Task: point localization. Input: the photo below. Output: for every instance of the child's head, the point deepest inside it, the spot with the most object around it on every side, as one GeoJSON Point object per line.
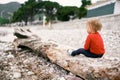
{"type": "Point", "coordinates": [93, 25]}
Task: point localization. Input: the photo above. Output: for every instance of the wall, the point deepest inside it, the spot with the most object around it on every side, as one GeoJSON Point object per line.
{"type": "Point", "coordinates": [117, 7]}
{"type": "Point", "coordinates": [109, 22]}
{"type": "Point", "coordinates": [103, 10]}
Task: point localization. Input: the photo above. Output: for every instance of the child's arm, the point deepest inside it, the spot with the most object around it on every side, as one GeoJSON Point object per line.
{"type": "Point", "coordinates": [87, 43]}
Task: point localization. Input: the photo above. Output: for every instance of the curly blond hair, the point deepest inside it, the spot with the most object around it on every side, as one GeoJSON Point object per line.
{"type": "Point", "coordinates": [94, 25]}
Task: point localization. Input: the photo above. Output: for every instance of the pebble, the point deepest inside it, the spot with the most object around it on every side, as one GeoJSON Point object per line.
{"type": "Point", "coordinates": [10, 56]}
{"type": "Point", "coordinates": [16, 75]}
{"type": "Point", "coordinates": [30, 73]}
{"type": "Point", "coordinates": [26, 61]}
{"type": "Point", "coordinates": [61, 78]}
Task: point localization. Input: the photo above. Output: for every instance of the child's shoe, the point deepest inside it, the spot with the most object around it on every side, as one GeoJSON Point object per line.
{"type": "Point", "coordinates": [69, 51]}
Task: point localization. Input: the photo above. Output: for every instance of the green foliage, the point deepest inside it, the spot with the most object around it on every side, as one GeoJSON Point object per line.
{"type": "Point", "coordinates": [82, 12]}
{"type": "Point", "coordinates": [50, 9]}
{"type": "Point", "coordinates": [25, 12]}
{"type": "Point", "coordinates": [3, 20]}
{"type": "Point", "coordinates": [31, 8]}
{"type": "Point", "coordinates": [47, 20]}
{"type": "Point", "coordinates": [21, 14]}
{"type": "Point", "coordinates": [85, 3]}
{"type": "Point", "coordinates": [30, 5]}
{"type": "Point", "coordinates": [40, 18]}
{"type": "Point", "coordinates": [64, 13]}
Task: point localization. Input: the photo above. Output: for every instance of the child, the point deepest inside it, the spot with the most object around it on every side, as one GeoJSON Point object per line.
{"type": "Point", "coordinates": [94, 46]}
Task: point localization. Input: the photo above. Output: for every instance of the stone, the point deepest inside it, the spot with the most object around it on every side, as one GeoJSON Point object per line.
{"type": "Point", "coordinates": [16, 75]}
{"type": "Point", "coordinates": [10, 56]}
{"type": "Point", "coordinates": [61, 78]}
{"type": "Point", "coordinates": [30, 73]}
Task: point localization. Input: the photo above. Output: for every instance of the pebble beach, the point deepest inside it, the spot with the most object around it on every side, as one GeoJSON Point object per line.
{"type": "Point", "coordinates": [17, 64]}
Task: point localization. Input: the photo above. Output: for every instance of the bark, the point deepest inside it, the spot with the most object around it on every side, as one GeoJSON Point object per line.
{"type": "Point", "coordinates": [86, 68]}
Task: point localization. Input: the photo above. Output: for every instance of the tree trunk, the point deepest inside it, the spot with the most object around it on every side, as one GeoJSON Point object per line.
{"type": "Point", "coordinates": [86, 68]}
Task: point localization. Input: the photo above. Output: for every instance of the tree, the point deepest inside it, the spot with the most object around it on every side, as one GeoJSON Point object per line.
{"type": "Point", "coordinates": [21, 15]}
{"type": "Point", "coordinates": [39, 0]}
{"type": "Point", "coordinates": [31, 8]}
{"type": "Point", "coordinates": [82, 12]}
{"type": "Point", "coordinates": [64, 13]}
{"type": "Point", "coordinates": [30, 5]}
{"type": "Point", "coordinates": [50, 9]}
{"type": "Point", "coordinates": [3, 20]}
{"type": "Point", "coordinates": [25, 12]}
{"type": "Point", "coordinates": [85, 3]}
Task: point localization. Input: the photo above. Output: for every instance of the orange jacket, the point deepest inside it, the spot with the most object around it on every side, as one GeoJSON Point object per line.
{"type": "Point", "coordinates": [94, 43]}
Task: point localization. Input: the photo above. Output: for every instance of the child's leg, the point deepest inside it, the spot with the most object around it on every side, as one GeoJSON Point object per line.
{"type": "Point", "coordinates": [89, 54]}
{"type": "Point", "coordinates": [77, 52]}
{"type": "Point", "coordinates": [86, 53]}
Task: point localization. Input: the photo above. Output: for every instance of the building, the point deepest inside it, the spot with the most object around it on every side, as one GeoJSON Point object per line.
{"type": "Point", "coordinates": [104, 7]}
{"type": "Point", "coordinates": [117, 7]}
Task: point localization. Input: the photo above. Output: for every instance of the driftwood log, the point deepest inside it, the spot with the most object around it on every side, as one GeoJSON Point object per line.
{"type": "Point", "coordinates": [86, 68]}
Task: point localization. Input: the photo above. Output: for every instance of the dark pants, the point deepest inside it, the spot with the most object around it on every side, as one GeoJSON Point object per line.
{"type": "Point", "coordinates": [86, 53]}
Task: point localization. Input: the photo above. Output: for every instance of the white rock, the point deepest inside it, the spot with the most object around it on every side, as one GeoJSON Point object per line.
{"type": "Point", "coordinates": [30, 73]}
{"type": "Point", "coordinates": [51, 70]}
{"type": "Point", "coordinates": [10, 56]}
{"type": "Point", "coordinates": [16, 75]}
{"type": "Point", "coordinates": [26, 61]}
{"type": "Point", "coordinates": [61, 78]}
{"type": "Point", "coordinates": [10, 63]}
